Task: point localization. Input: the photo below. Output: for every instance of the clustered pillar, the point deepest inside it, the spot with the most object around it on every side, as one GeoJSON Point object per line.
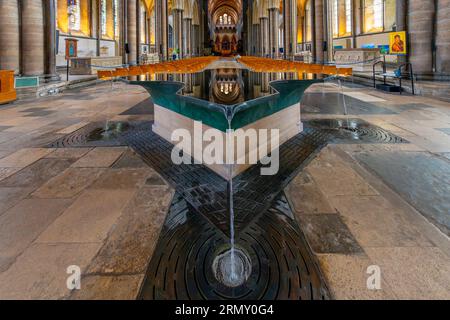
{"type": "Point", "coordinates": [289, 28]}
{"type": "Point", "coordinates": [9, 35]}
{"type": "Point", "coordinates": [132, 31]}
{"type": "Point", "coordinates": [274, 24]}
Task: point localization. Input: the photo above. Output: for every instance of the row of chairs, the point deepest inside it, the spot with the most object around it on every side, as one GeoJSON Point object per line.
{"type": "Point", "coordinates": [259, 64]}
{"type": "Point", "coordinates": [190, 65]}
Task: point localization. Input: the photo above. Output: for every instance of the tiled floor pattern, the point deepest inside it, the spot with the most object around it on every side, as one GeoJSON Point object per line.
{"type": "Point", "coordinates": [101, 208]}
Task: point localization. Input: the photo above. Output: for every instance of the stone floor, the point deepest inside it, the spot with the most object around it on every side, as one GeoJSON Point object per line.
{"type": "Point", "coordinates": [101, 208]}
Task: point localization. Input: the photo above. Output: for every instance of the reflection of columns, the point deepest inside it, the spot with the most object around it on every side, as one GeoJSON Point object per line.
{"type": "Point", "coordinates": [196, 40]}
{"type": "Point", "coordinates": [256, 42]}
{"type": "Point", "coordinates": [319, 31]}
{"type": "Point", "coordinates": [187, 33]}
{"type": "Point", "coordinates": [161, 28]}
{"type": "Point", "coordinates": [289, 27]}
{"type": "Point", "coordinates": [264, 35]}
{"type": "Point", "coordinates": [421, 16]}
{"type": "Point", "coordinates": [443, 37]}
{"type": "Point", "coordinates": [178, 30]}
{"type": "Point", "coordinates": [50, 40]}
{"type": "Point", "coordinates": [9, 35]}
{"type": "Point", "coordinates": [274, 24]}
{"type": "Point", "coordinates": [132, 32]}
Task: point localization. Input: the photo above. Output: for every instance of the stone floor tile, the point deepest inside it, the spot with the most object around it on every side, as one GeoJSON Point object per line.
{"type": "Point", "coordinates": [123, 178]}
{"type": "Point", "coordinates": [306, 197]}
{"type": "Point", "coordinates": [73, 128]}
{"type": "Point", "coordinates": [41, 271]}
{"type": "Point", "coordinates": [376, 223]}
{"type": "Point", "coordinates": [24, 157]}
{"type": "Point", "coordinates": [23, 223]}
{"type": "Point", "coordinates": [89, 218]}
{"type": "Point", "coordinates": [100, 158]}
{"type": "Point", "coordinates": [414, 273]}
{"type": "Point", "coordinates": [347, 276]}
{"type": "Point", "coordinates": [69, 153]}
{"type": "Point", "coordinates": [326, 233]}
{"type": "Point", "coordinates": [37, 173]}
{"type": "Point", "coordinates": [69, 183]}
{"type": "Point", "coordinates": [9, 197]}
{"type": "Point", "coordinates": [7, 172]}
{"type": "Point", "coordinates": [132, 240]}
{"type": "Point", "coordinates": [101, 287]}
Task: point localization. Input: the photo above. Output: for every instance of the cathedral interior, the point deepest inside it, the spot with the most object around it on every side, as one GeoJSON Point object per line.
{"type": "Point", "coordinates": [225, 149]}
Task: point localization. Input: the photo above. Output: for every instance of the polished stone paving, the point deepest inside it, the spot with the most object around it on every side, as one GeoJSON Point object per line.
{"type": "Point", "coordinates": [102, 208]}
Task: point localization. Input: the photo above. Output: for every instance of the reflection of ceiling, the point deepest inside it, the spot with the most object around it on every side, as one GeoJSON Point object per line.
{"type": "Point", "coordinates": [226, 87]}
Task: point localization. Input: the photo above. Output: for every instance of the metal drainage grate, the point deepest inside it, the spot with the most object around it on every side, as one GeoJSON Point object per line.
{"type": "Point", "coordinates": [95, 134]}
{"type": "Point", "coordinates": [281, 263]}
{"type": "Point", "coordinates": [354, 131]}
{"type": "Point", "coordinates": [206, 191]}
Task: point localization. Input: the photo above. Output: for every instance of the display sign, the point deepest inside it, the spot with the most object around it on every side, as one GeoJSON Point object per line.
{"type": "Point", "coordinates": [71, 48]}
{"type": "Point", "coordinates": [397, 43]}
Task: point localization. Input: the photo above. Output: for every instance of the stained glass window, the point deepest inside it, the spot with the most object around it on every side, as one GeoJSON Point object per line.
{"type": "Point", "coordinates": [103, 17]}
{"type": "Point", "coordinates": [116, 18]}
{"type": "Point", "coordinates": [74, 11]}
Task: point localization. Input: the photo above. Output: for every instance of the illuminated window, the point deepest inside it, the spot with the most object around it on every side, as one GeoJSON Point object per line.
{"type": "Point", "coordinates": [379, 15]}
{"type": "Point", "coordinates": [116, 18]}
{"type": "Point", "coordinates": [335, 19]}
{"type": "Point", "coordinates": [74, 11]}
{"type": "Point", "coordinates": [103, 15]}
{"type": "Point", "coordinates": [308, 22]}
{"type": "Point", "coordinates": [225, 18]}
{"type": "Point", "coordinates": [348, 16]}
{"type": "Point", "coordinates": [341, 18]}
{"type": "Point", "coordinates": [221, 20]}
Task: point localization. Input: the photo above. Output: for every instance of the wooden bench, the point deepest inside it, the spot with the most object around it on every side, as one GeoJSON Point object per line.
{"type": "Point", "coordinates": [7, 90]}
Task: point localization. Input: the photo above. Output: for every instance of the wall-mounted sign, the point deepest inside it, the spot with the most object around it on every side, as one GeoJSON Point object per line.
{"type": "Point", "coordinates": [71, 48]}
{"type": "Point", "coordinates": [397, 43]}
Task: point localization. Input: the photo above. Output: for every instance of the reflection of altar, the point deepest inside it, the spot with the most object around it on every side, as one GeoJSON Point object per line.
{"type": "Point", "coordinates": [358, 59]}
{"type": "Point", "coordinates": [90, 65]}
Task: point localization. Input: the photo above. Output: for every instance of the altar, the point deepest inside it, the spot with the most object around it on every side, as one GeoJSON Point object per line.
{"type": "Point", "coordinates": [90, 65]}
{"type": "Point", "coordinates": [358, 59]}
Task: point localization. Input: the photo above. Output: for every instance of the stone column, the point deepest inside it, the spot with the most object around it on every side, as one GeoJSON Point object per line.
{"type": "Point", "coordinates": [264, 36]}
{"type": "Point", "coordinates": [274, 24]}
{"type": "Point", "coordinates": [178, 30]}
{"type": "Point", "coordinates": [32, 38]}
{"type": "Point", "coordinates": [132, 40]}
{"type": "Point", "coordinates": [289, 28]}
{"type": "Point", "coordinates": [50, 40]}
{"type": "Point", "coordinates": [319, 31]}
{"type": "Point", "coordinates": [187, 35]}
{"type": "Point", "coordinates": [420, 23]}
{"type": "Point", "coordinates": [443, 37]}
{"type": "Point", "coordinates": [9, 35]}
{"type": "Point", "coordinates": [162, 28]}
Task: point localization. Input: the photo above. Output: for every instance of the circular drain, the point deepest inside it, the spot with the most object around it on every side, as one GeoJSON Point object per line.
{"type": "Point", "coordinates": [355, 130]}
{"type": "Point", "coordinates": [232, 268]}
{"type": "Point", "coordinates": [190, 246]}
{"type": "Point", "coordinates": [96, 134]}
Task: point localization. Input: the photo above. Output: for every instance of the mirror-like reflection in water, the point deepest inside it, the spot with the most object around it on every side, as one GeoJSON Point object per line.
{"type": "Point", "coordinates": [227, 86]}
